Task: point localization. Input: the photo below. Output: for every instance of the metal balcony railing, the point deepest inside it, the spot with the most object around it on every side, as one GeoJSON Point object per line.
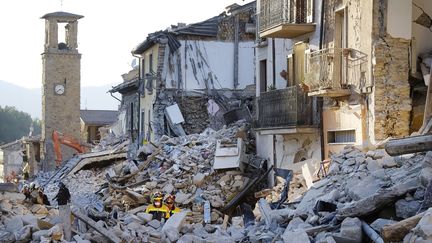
{"type": "Point", "coordinates": [335, 68]}
{"type": "Point", "coordinates": [283, 108]}
{"type": "Point", "coordinates": [278, 12]}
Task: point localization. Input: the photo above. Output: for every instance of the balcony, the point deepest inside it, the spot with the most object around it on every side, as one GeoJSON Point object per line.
{"type": "Point", "coordinates": [285, 108]}
{"type": "Point", "coordinates": [335, 72]}
{"type": "Point", "coordinates": [285, 18]}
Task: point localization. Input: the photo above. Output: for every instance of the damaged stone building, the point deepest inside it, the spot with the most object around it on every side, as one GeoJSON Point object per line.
{"type": "Point", "coordinates": [333, 79]}
{"type": "Point", "coordinates": [13, 155]}
{"type": "Point", "coordinates": [287, 119]}
{"type": "Point", "coordinates": [92, 121]}
{"type": "Point", "coordinates": [127, 120]}
{"type": "Point", "coordinates": [201, 70]}
{"type": "Point", "coordinates": [360, 67]}
{"type": "Point", "coordinates": [61, 90]}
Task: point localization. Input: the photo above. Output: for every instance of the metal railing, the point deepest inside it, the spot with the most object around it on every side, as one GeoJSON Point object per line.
{"type": "Point", "coordinates": [276, 12]}
{"type": "Point", "coordinates": [335, 68]}
{"type": "Point", "coordinates": [285, 108]}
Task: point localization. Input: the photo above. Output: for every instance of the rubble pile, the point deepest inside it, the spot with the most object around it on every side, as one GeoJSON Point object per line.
{"type": "Point", "coordinates": [362, 190]}
{"type": "Point", "coordinates": [181, 166]}
{"type": "Point", "coordinates": [22, 221]}
{"type": "Point", "coordinates": [82, 187]}
{"type": "Point", "coordinates": [365, 196]}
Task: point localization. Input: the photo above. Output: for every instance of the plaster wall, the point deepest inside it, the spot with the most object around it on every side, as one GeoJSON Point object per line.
{"type": "Point", "coordinates": [147, 101]}
{"type": "Point", "coordinates": [293, 149]}
{"type": "Point", "coordinates": [210, 62]}
{"type": "Point", "coordinates": [146, 106]}
{"type": "Point", "coordinates": [399, 15]}
{"type": "Point", "coordinates": [422, 35]}
{"type": "Point", "coordinates": [284, 47]}
{"type": "Point", "coordinates": [347, 118]}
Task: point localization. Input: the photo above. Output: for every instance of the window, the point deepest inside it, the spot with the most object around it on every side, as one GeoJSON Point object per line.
{"type": "Point", "coordinates": [263, 75]}
{"type": "Point", "coordinates": [290, 68]}
{"type": "Point", "coordinates": [143, 67]}
{"type": "Point", "coordinates": [341, 136]}
{"type": "Point", "coordinates": [142, 122]}
{"type": "Point", "coordinates": [150, 63]}
{"type": "Point", "coordinates": [148, 137]}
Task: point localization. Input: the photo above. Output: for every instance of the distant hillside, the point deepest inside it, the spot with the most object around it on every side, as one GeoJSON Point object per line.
{"type": "Point", "coordinates": [29, 100]}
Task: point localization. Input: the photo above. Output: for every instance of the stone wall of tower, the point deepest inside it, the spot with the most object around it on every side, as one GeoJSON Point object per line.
{"type": "Point", "coordinates": [60, 112]}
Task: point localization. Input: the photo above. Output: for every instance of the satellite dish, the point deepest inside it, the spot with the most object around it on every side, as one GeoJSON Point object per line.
{"type": "Point", "coordinates": [134, 63]}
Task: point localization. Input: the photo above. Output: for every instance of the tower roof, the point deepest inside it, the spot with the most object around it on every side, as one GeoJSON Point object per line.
{"type": "Point", "coordinates": [62, 16]}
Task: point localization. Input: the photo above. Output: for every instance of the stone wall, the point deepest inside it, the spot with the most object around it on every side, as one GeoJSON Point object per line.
{"type": "Point", "coordinates": [392, 90]}
{"type": "Point", "coordinates": [194, 110]}
{"type": "Point", "coordinates": [392, 102]}
{"type": "Point", "coordinates": [227, 26]}
{"type": "Point", "coordinates": [60, 112]}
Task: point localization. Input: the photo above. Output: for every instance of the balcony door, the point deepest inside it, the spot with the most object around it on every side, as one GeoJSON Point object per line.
{"type": "Point", "coordinates": [341, 35]}
{"type": "Point", "coordinates": [296, 64]}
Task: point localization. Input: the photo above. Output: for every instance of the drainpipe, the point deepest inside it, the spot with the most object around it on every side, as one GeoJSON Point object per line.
{"type": "Point", "coordinates": [273, 63]}
{"type": "Point", "coordinates": [320, 100]}
{"type": "Point", "coordinates": [115, 97]}
{"type": "Point", "coordinates": [131, 122]}
{"type": "Point", "coordinates": [236, 50]}
{"type": "Point", "coordinates": [139, 95]}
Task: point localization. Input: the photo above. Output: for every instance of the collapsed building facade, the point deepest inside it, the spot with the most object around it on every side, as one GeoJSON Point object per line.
{"type": "Point", "coordinates": [205, 68]}
{"type": "Point", "coordinates": [350, 73]}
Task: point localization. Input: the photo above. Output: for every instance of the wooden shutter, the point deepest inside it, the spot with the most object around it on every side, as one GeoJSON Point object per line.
{"type": "Point", "coordinates": [299, 62]}
{"type": "Point", "coordinates": [290, 70]}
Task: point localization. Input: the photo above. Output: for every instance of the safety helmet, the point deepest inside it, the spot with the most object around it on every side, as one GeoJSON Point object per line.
{"type": "Point", "coordinates": [25, 188]}
{"type": "Point", "coordinates": [32, 185]}
{"type": "Point", "coordinates": [170, 198]}
{"type": "Point", "coordinates": [157, 196]}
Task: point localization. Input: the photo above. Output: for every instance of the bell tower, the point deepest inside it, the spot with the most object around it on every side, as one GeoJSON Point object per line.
{"type": "Point", "coordinates": [60, 83]}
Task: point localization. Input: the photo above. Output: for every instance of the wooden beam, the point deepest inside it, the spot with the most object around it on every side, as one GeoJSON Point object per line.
{"type": "Point", "coordinates": [142, 166]}
{"type": "Point", "coordinates": [90, 222]}
{"type": "Point", "coordinates": [409, 145]}
{"type": "Point", "coordinates": [397, 231]}
{"type": "Point", "coordinates": [320, 228]}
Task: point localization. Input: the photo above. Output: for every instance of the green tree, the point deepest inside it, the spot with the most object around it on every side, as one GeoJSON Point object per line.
{"type": "Point", "coordinates": [15, 124]}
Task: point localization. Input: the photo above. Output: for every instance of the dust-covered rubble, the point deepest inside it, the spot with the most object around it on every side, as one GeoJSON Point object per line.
{"type": "Point", "coordinates": [364, 195]}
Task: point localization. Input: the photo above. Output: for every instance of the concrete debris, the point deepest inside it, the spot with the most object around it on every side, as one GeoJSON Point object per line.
{"type": "Point", "coordinates": [365, 196]}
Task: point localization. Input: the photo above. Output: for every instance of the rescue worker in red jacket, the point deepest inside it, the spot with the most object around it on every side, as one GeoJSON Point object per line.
{"type": "Point", "coordinates": [157, 208]}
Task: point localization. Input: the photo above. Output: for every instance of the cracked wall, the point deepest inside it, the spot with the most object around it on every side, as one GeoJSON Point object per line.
{"type": "Point", "coordinates": [389, 105]}
{"type": "Point", "coordinates": [392, 102]}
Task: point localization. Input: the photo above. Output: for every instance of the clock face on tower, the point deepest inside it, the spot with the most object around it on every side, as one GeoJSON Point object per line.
{"type": "Point", "coordinates": [59, 89]}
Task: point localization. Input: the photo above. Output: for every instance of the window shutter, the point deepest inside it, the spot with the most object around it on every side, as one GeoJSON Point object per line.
{"type": "Point", "coordinates": [290, 72]}
{"type": "Point", "coordinates": [299, 61]}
